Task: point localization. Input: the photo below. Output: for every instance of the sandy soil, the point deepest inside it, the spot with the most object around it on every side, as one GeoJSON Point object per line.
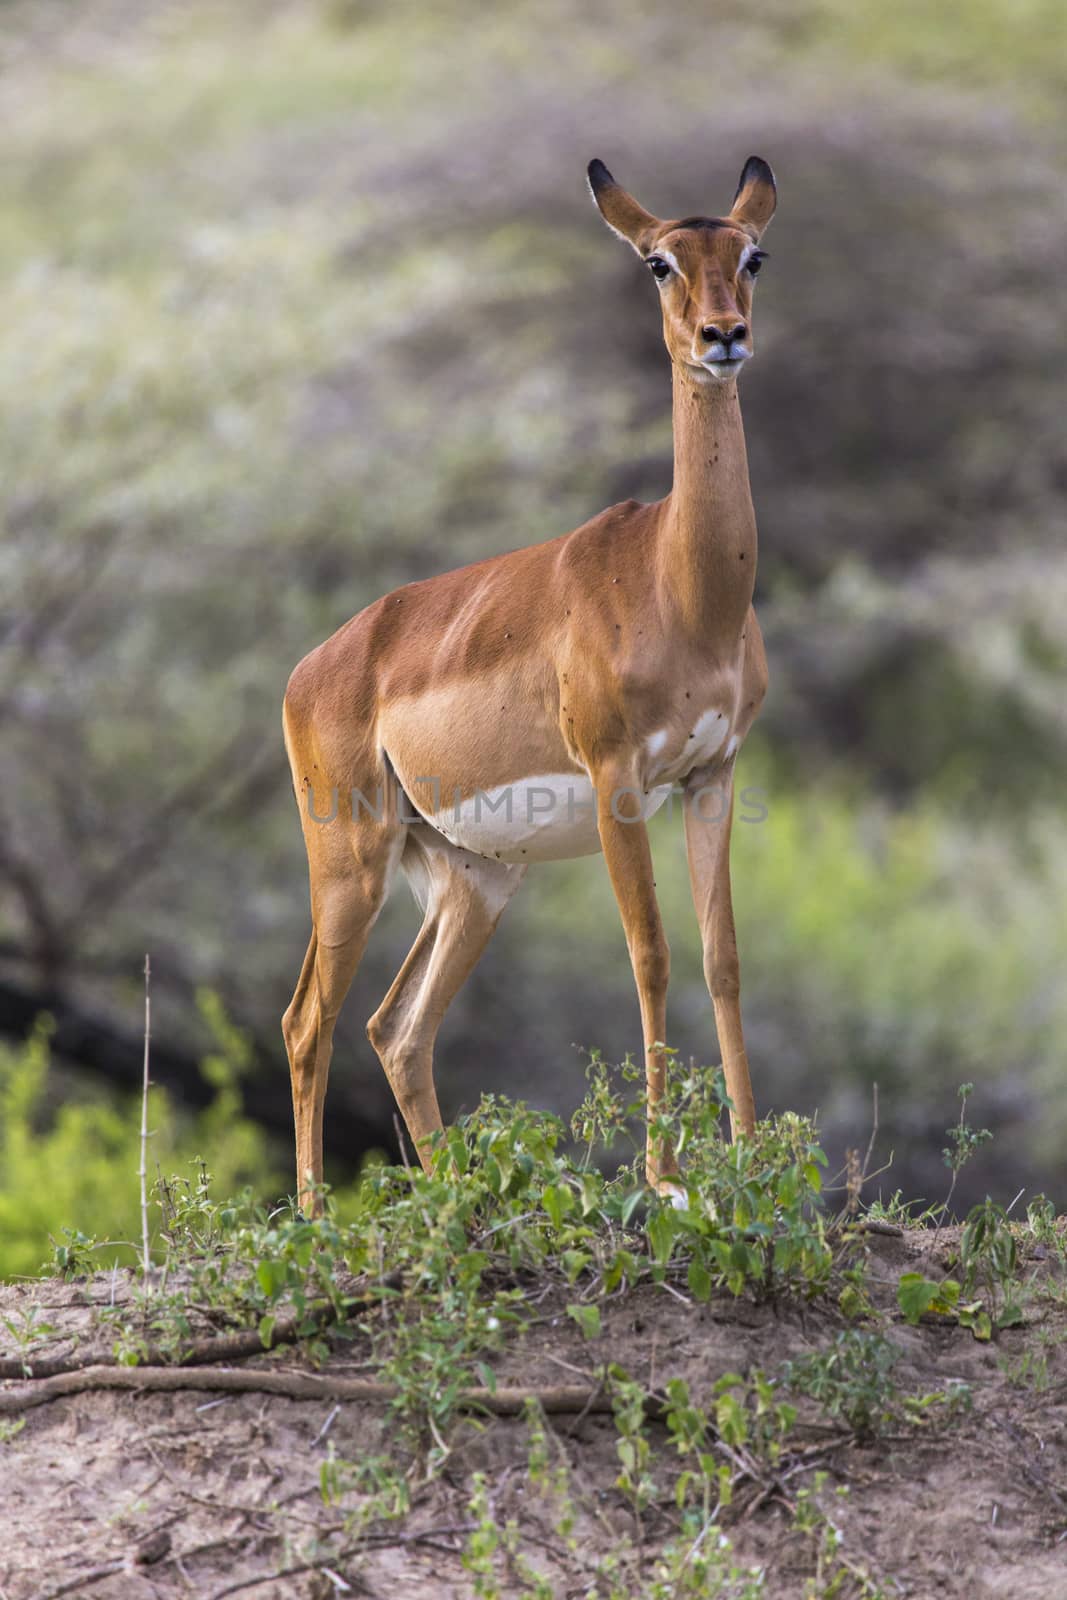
{"type": "Point", "coordinates": [121, 1496]}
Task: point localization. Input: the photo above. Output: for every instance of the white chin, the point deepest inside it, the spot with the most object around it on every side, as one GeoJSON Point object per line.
{"type": "Point", "coordinates": [722, 370]}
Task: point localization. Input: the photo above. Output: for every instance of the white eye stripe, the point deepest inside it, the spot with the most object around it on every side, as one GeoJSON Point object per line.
{"type": "Point", "coordinates": [662, 256]}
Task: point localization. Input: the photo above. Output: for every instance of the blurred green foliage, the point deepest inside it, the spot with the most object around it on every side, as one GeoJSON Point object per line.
{"type": "Point", "coordinates": [72, 1169]}
{"type": "Point", "coordinates": [308, 301]}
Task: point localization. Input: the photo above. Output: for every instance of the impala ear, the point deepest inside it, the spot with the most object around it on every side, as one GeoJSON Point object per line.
{"type": "Point", "coordinates": [756, 197]}
{"type": "Point", "coordinates": [620, 210]}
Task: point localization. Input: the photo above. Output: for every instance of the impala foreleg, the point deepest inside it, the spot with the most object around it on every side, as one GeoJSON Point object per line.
{"type": "Point", "coordinates": [708, 821]}
{"type": "Point", "coordinates": [624, 840]}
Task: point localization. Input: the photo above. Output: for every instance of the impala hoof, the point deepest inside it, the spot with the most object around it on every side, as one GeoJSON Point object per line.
{"type": "Point", "coordinates": [674, 1192]}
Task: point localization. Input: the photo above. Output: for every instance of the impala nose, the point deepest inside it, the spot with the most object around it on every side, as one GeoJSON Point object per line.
{"type": "Point", "coordinates": [727, 336]}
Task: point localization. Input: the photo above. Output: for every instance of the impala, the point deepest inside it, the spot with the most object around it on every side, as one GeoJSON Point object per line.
{"type": "Point", "coordinates": [541, 705]}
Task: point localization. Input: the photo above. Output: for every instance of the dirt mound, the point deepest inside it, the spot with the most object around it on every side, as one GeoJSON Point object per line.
{"type": "Point", "coordinates": [199, 1490]}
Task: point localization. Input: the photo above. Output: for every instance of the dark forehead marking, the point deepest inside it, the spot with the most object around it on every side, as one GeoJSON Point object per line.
{"type": "Point", "coordinates": [701, 222]}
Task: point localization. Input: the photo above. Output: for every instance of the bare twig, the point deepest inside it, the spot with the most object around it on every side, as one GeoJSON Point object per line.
{"type": "Point", "coordinates": [402, 1145]}
{"type": "Point", "coordinates": [84, 1579]}
{"type": "Point", "coordinates": [874, 1134]}
{"type": "Point", "coordinates": [327, 1425]}
{"type": "Point", "coordinates": [420, 1536]}
{"type": "Point", "coordinates": [146, 1255]}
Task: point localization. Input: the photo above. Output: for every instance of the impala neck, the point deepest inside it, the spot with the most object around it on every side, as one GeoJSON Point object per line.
{"type": "Point", "coordinates": [707, 561]}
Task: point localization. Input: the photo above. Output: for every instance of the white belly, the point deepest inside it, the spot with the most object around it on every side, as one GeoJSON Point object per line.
{"type": "Point", "coordinates": [548, 818]}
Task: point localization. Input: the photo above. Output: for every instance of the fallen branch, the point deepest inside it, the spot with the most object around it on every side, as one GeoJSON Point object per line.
{"type": "Point", "coordinates": [564, 1399]}
{"type": "Point", "coordinates": [214, 1348]}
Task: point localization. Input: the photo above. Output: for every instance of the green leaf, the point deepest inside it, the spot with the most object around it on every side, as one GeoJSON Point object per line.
{"type": "Point", "coordinates": [557, 1202]}
{"type": "Point", "coordinates": [487, 1375]}
{"type": "Point", "coordinates": [575, 1263]}
{"type": "Point", "coordinates": [699, 1280]}
{"type": "Point", "coordinates": [270, 1277]}
{"type": "Point", "coordinates": [623, 1266]}
{"type": "Point", "coordinates": [788, 1186]}
{"type": "Point", "coordinates": [662, 1232]}
{"type": "Point", "coordinates": [266, 1330]}
{"type": "Point", "coordinates": [592, 1186]}
{"type": "Point", "coordinates": [915, 1294]}
{"type": "Point", "coordinates": [587, 1318]}
{"type": "Point", "coordinates": [730, 1421]}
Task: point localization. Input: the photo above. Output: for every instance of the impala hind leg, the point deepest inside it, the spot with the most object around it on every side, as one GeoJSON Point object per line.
{"type": "Point", "coordinates": [462, 897]}
{"type": "Point", "coordinates": [707, 842]}
{"type": "Point", "coordinates": [348, 888]}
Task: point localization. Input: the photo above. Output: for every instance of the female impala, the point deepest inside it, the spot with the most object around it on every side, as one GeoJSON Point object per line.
{"type": "Point", "coordinates": [542, 704]}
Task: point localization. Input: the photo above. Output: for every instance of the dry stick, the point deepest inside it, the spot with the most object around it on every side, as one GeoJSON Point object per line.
{"type": "Point", "coordinates": [427, 1536]}
{"type": "Point", "coordinates": [867, 1224]}
{"type": "Point", "coordinates": [564, 1399]}
{"type": "Point", "coordinates": [202, 1352]}
{"type": "Point", "coordinates": [874, 1134]}
{"type": "Point", "coordinates": [399, 1126]}
{"type": "Point", "coordinates": [84, 1579]}
{"type": "Point", "coordinates": [146, 1258]}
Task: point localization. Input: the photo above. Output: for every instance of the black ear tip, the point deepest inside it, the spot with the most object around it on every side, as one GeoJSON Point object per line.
{"type": "Point", "coordinates": [598, 175]}
{"type": "Point", "coordinates": [756, 170]}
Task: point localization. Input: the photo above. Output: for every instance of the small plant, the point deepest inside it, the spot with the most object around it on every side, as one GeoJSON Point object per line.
{"type": "Point", "coordinates": [964, 1142]}
{"type": "Point", "coordinates": [1045, 1228]}
{"type": "Point", "coordinates": [903, 1213]}
{"type": "Point", "coordinates": [635, 1478]}
{"type": "Point", "coordinates": [989, 1263]}
{"type": "Point", "coordinates": [383, 1487]}
{"type": "Point", "coordinates": [835, 1573]}
{"type": "Point", "coordinates": [700, 1569]}
{"type": "Point", "coordinates": [25, 1329]}
{"type": "Point", "coordinates": [988, 1294]}
{"type": "Point", "coordinates": [74, 1257]}
{"type": "Point", "coordinates": [490, 1545]}
{"type": "Point", "coordinates": [852, 1381]}
{"type": "Point", "coordinates": [754, 1221]}
{"type": "Point", "coordinates": [1030, 1370]}
{"type": "Point", "coordinates": [753, 1420]}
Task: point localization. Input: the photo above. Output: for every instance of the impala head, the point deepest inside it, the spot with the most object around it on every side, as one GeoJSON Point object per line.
{"type": "Point", "coordinates": [705, 268]}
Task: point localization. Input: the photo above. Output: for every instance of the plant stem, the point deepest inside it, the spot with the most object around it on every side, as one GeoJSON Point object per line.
{"type": "Point", "coordinates": [146, 1258]}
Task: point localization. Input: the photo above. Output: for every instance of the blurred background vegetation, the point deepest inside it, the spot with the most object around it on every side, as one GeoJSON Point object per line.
{"type": "Point", "coordinates": [304, 300]}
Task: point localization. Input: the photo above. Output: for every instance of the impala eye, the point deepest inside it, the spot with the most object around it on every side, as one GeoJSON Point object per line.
{"type": "Point", "coordinates": [755, 261]}
{"type": "Point", "coordinates": [659, 268]}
